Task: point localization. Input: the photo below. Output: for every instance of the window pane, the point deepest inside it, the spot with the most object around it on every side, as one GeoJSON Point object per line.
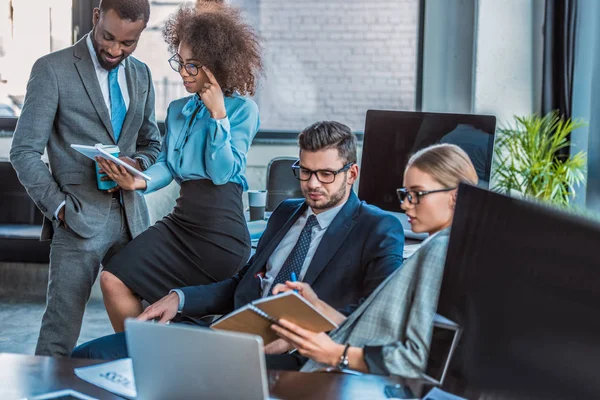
{"type": "Point", "coordinates": [152, 50]}
{"type": "Point", "coordinates": [331, 59]}
{"type": "Point", "coordinates": [335, 59]}
{"type": "Point", "coordinates": [28, 30]}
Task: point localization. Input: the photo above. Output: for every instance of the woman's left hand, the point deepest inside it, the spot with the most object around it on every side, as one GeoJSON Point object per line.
{"type": "Point", "coordinates": [316, 346]}
{"type": "Point", "coordinates": [124, 179]}
{"type": "Point", "coordinates": [212, 96]}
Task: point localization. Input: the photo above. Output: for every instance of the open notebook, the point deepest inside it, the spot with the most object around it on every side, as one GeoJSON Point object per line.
{"type": "Point", "coordinates": [257, 317]}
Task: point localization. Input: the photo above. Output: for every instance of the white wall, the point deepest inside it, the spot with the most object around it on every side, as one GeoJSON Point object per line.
{"type": "Point", "coordinates": [506, 66]}
{"type": "Point", "coordinates": [483, 56]}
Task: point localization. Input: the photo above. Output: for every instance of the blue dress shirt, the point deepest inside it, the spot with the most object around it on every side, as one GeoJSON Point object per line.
{"type": "Point", "coordinates": [197, 146]}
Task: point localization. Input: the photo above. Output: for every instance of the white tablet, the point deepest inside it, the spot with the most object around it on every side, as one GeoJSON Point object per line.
{"type": "Point", "coordinates": [96, 151]}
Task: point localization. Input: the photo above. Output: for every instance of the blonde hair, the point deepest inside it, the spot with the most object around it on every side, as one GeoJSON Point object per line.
{"type": "Point", "coordinates": [446, 163]}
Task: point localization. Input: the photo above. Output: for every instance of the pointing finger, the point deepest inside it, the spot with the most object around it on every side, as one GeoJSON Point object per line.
{"type": "Point", "coordinates": [210, 75]}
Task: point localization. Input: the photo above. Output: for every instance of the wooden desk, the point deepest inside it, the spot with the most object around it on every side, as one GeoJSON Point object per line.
{"type": "Point", "coordinates": [22, 375]}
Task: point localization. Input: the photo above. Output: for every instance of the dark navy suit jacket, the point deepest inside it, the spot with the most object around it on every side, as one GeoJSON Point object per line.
{"type": "Point", "coordinates": [362, 247]}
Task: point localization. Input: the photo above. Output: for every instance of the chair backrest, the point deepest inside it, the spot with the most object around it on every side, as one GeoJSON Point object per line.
{"type": "Point", "coordinates": [17, 206]}
{"type": "Point", "coordinates": [281, 182]}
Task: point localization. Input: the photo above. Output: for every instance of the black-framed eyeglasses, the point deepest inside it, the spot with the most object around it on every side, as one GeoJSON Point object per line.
{"type": "Point", "coordinates": [414, 196]}
{"type": "Point", "coordinates": [177, 65]}
{"type": "Point", "coordinates": [323, 175]}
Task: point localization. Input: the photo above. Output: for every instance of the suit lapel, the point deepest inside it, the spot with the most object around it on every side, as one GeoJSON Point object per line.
{"type": "Point", "coordinates": [334, 238]}
{"type": "Point", "coordinates": [85, 68]}
{"type": "Point", "coordinates": [261, 260]}
{"type": "Point", "coordinates": [132, 85]}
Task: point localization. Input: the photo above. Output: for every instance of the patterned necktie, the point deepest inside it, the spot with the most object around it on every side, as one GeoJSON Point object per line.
{"type": "Point", "coordinates": [117, 104]}
{"type": "Point", "coordinates": [296, 258]}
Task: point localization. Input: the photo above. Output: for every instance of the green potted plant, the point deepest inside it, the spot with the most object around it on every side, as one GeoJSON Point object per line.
{"type": "Point", "coordinates": [527, 159]}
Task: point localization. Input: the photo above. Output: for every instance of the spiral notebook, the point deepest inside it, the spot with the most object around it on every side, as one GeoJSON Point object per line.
{"type": "Point", "coordinates": [257, 317]}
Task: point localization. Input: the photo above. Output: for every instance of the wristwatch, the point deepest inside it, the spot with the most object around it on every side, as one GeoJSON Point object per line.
{"type": "Point", "coordinates": [343, 364]}
{"type": "Point", "coordinates": [143, 163]}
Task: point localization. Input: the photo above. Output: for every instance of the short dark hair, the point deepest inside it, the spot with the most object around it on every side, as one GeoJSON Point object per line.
{"type": "Point", "coordinates": [133, 10]}
{"type": "Point", "coordinates": [329, 135]}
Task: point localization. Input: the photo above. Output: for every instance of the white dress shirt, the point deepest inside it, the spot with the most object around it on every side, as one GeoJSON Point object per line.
{"type": "Point", "coordinates": [102, 76]}
{"type": "Point", "coordinates": [283, 250]}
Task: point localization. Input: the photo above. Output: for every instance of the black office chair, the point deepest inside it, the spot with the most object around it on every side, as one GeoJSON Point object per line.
{"type": "Point", "coordinates": [281, 182]}
{"type": "Point", "coordinates": [20, 222]}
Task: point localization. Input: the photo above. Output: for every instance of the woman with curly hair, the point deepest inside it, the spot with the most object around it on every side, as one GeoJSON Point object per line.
{"type": "Point", "coordinates": [205, 238]}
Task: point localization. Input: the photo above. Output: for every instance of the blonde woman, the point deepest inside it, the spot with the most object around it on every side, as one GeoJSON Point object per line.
{"type": "Point", "coordinates": [390, 332]}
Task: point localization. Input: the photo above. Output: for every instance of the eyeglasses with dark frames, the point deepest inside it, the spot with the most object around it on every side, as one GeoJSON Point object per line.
{"type": "Point", "coordinates": [414, 196]}
{"type": "Point", "coordinates": [177, 65]}
{"type": "Point", "coordinates": [323, 175]}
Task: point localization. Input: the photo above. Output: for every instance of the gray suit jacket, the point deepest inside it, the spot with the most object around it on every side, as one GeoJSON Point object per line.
{"type": "Point", "coordinates": [397, 318]}
{"type": "Point", "coordinates": [64, 106]}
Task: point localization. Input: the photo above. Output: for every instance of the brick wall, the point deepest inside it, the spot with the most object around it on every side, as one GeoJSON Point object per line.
{"type": "Point", "coordinates": [334, 59]}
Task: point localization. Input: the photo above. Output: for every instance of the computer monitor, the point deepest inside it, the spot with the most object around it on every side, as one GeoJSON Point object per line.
{"type": "Point", "coordinates": [391, 137]}
{"type": "Point", "coordinates": [523, 280]}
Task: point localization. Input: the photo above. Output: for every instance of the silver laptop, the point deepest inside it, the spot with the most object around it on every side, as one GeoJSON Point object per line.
{"type": "Point", "coordinates": [184, 362]}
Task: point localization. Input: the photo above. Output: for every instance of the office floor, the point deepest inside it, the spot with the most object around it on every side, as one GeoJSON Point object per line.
{"type": "Point", "coordinates": [20, 320]}
{"type": "Point", "coordinates": [23, 288]}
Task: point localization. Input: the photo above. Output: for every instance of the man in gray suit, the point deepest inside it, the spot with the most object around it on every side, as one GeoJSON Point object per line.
{"type": "Point", "coordinates": [89, 93]}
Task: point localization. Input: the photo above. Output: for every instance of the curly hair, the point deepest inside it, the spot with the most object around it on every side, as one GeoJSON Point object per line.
{"type": "Point", "coordinates": [219, 37]}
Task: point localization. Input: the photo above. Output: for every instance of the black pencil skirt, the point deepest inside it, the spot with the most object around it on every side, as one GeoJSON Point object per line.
{"type": "Point", "coordinates": [203, 240]}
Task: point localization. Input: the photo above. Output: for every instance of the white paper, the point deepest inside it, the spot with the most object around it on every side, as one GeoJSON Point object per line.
{"type": "Point", "coordinates": [61, 394]}
{"type": "Point", "coordinates": [114, 376]}
{"type": "Point", "coordinates": [410, 249]}
{"type": "Point", "coordinates": [440, 320]}
{"type": "Point", "coordinates": [439, 394]}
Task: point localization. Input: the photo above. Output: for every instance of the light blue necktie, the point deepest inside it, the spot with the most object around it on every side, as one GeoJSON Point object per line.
{"type": "Point", "coordinates": [117, 104]}
{"type": "Point", "coordinates": [297, 256]}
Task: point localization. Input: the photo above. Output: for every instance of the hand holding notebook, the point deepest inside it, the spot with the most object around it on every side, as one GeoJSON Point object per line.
{"type": "Point", "coordinates": [257, 317]}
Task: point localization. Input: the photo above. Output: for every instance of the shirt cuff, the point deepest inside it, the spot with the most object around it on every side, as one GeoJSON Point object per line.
{"type": "Point", "coordinates": [58, 209]}
{"type": "Point", "coordinates": [220, 120]}
{"type": "Point", "coordinates": [373, 356]}
{"type": "Point", "coordinates": [143, 161]}
{"type": "Point", "coordinates": [181, 298]}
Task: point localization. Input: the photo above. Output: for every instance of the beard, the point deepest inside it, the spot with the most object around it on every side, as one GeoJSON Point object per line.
{"type": "Point", "coordinates": [334, 199]}
{"type": "Point", "coordinates": [103, 63]}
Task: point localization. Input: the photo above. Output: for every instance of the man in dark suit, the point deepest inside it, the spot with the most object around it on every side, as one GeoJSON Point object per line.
{"type": "Point", "coordinates": [341, 246]}
{"type": "Point", "coordinates": [91, 92]}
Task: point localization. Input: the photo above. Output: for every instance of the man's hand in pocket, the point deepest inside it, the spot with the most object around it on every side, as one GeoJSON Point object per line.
{"type": "Point", "coordinates": [61, 217]}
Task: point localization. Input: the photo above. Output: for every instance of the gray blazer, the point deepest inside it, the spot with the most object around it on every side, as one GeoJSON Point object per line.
{"type": "Point", "coordinates": [64, 106]}
{"type": "Point", "coordinates": [398, 315]}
